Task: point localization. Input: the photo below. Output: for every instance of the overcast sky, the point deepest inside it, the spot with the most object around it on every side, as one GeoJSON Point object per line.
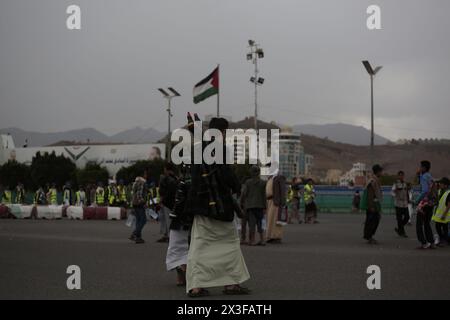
{"type": "Point", "coordinates": [106, 75]}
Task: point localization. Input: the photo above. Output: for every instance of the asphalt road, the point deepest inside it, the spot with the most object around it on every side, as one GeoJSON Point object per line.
{"type": "Point", "coordinates": [324, 261]}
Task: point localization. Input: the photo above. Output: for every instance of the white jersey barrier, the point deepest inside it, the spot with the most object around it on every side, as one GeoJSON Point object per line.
{"type": "Point", "coordinates": [19, 211]}
{"type": "Point", "coordinates": [96, 213]}
{"type": "Point", "coordinates": [49, 212]}
{"type": "Point", "coordinates": [52, 212]}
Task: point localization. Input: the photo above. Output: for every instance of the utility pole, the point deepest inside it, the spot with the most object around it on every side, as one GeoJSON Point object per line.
{"type": "Point", "coordinates": [169, 96]}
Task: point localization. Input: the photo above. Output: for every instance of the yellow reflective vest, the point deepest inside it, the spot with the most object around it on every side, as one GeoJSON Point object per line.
{"type": "Point", "coordinates": [53, 196]}
{"type": "Point", "coordinates": [100, 196]}
{"type": "Point", "coordinates": [308, 194]}
{"type": "Point", "coordinates": [438, 214]}
{"type": "Point", "coordinates": [7, 197]}
{"type": "Point", "coordinates": [122, 190]}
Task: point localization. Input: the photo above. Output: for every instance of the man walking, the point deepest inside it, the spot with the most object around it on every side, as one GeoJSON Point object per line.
{"type": "Point", "coordinates": [400, 193]}
{"type": "Point", "coordinates": [425, 203]}
{"type": "Point", "coordinates": [253, 201]}
{"type": "Point", "coordinates": [215, 257]}
{"type": "Point", "coordinates": [138, 201]}
{"type": "Point", "coordinates": [374, 197]}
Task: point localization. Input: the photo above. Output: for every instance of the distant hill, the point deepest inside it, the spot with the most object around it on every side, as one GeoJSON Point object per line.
{"type": "Point", "coordinates": [339, 132]}
{"type": "Point", "coordinates": [333, 155]}
{"type": "Point", "coordinates": [37, 139]}
{"type": "Point", "coordinates": [137, 135]}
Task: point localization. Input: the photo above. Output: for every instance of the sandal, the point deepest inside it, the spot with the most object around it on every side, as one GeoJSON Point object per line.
{"type": "Point", "coordinates": [201, 293]}
{"type": "Point", "coordinates": [236, 290]}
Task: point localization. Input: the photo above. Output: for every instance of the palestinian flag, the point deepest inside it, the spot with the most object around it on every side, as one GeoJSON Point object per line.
{"type": "Point", "coordinates": [207, 87]}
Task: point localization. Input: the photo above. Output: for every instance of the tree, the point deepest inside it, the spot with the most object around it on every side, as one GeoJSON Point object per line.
{"type": "Point", "coordinates": [13, 172]}
{"type": "Point", "coordinates": [92, 173]}
{"type": "Point", "coordinates": [154, 169]}
{"type": "Point", "coordinates": [50, 168]}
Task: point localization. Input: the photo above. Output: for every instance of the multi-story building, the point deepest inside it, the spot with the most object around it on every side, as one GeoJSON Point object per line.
{"type": "Point", "coordinates": [356, 175]}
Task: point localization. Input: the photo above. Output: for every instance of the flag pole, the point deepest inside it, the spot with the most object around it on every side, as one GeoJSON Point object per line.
{"type": "Point", "coordinates": [218, 91]}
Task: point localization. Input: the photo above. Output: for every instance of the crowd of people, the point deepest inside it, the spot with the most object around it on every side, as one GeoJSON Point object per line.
{"type": "Point", "coordinates": [201, 208]}
{"type": "Point", "coordinates": [431, 205]}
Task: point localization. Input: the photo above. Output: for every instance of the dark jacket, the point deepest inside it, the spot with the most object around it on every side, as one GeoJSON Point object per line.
{"type": "Point", "coordinates": [140, 192]}
{"type": "Point", "coordinates": [279, 191]}
{"type": "Point", "coordinates": [211, 191]}
{"type": "Point", "coordinates": [254, 193]}
{"type": "Point", "coordinates": [373, 201]}
{"type": "Point", "coordinates": [167, 189]}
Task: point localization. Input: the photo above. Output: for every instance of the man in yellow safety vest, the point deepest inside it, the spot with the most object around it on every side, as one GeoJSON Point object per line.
{"type": "Point", "coordinates": [309, 195]}
{"type": "Point", "coordinates": [20, 194]}
{"type": "Point", "coordinates": [122, 194]}
{"type": "Point", "coordinates": [112, 194]}
{"type": "Point", "coordinates": [441, 216]}
{"type": "Point", "coordinates": [7, 196]}
{"type": "Point", "coordinates": [52, 195]}
{"type": "Point", "coordinates": [100, 195]}
{"type": "Point", "coordinates": [80, 197]}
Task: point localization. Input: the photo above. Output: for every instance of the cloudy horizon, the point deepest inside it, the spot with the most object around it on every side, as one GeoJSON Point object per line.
{"type": "Point", "coordinates": [106, 75]}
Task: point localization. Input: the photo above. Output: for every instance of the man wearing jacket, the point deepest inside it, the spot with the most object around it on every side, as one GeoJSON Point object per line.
{"type": "Point", "coordinates": [138, 201]}
{"type": "Point", "coordinates": [374, 199]}
{"type": "Point", "coordinates": [253, 201]}
{"type": "Point", "coordinates": [425, 204]}
{"type": "Point", "coordinates": [400, 193]}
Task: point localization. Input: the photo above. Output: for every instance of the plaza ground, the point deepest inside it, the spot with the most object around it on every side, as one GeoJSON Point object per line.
{"type": "Point", "coordinates": [323, 261]}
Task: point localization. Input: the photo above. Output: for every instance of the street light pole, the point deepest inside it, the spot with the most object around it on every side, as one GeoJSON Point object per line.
{"type": "Point", "coordinates": [169, 97]}
{"type": "Point", "coordinates": [169, 115]}
{"type": "Point", "coordinates": [256, 93]}
{"type": "Point", "coordinates": [372, 140]}
{"type": "Point", "coordinates": [255, 54]}
{"type": "Point", "coordinates": [372, 72]}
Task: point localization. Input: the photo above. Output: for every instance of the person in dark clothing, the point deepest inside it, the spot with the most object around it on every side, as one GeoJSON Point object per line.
{"type": "Point", "coordinates": [215, 257]}
{"type": "Point", "coordinates": [400, 193]}
{"type": "Point", "coordinates": [180, 224]}
{"type": "Point", "coordinates": [425, 203]}
{"type": "Point", "coordinates": [139, 200]}
{"type": "Point", "coordinates": [167, 189]}
{"type": "Point", "coordinates": [356, 201]}
{"type": "Point", "coordinates": [253, 201]}
{"type": "Point", "coordinates": [374, 198]}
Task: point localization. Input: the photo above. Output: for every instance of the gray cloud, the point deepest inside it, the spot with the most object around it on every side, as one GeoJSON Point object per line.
{"type": "Point", "coordinates": [106, 75]}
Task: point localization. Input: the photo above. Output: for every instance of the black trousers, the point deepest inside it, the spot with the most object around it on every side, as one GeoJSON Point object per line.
{"type": "Point", "coordinates": [402, 219]}
{"type": "Point", "coordinates": [371, 224]}
{"type": "Point", "coordinates": [442, 231]}
{"type": "Point", "coordinates": [255, 216]}
{"type": "Point", "coordinates": [423, 225]}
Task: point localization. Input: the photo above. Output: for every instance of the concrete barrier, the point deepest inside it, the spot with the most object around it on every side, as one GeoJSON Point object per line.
{"type": "Point", "coordinates": [4, 212]}
{"type": "Point", "coordinates": [74, 212]}
{"type": "Point", "coordinates": [49, 212]}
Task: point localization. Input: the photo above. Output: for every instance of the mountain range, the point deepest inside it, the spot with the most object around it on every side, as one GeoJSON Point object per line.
{"type": "Point", "coordinates": [340, 132]}
{"type": "Point", "coordinates": [337, 132]}
{"type": "Point", "coordinates": [334, 146]}
{"type": "Point", "coordinates": [37, 139]}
